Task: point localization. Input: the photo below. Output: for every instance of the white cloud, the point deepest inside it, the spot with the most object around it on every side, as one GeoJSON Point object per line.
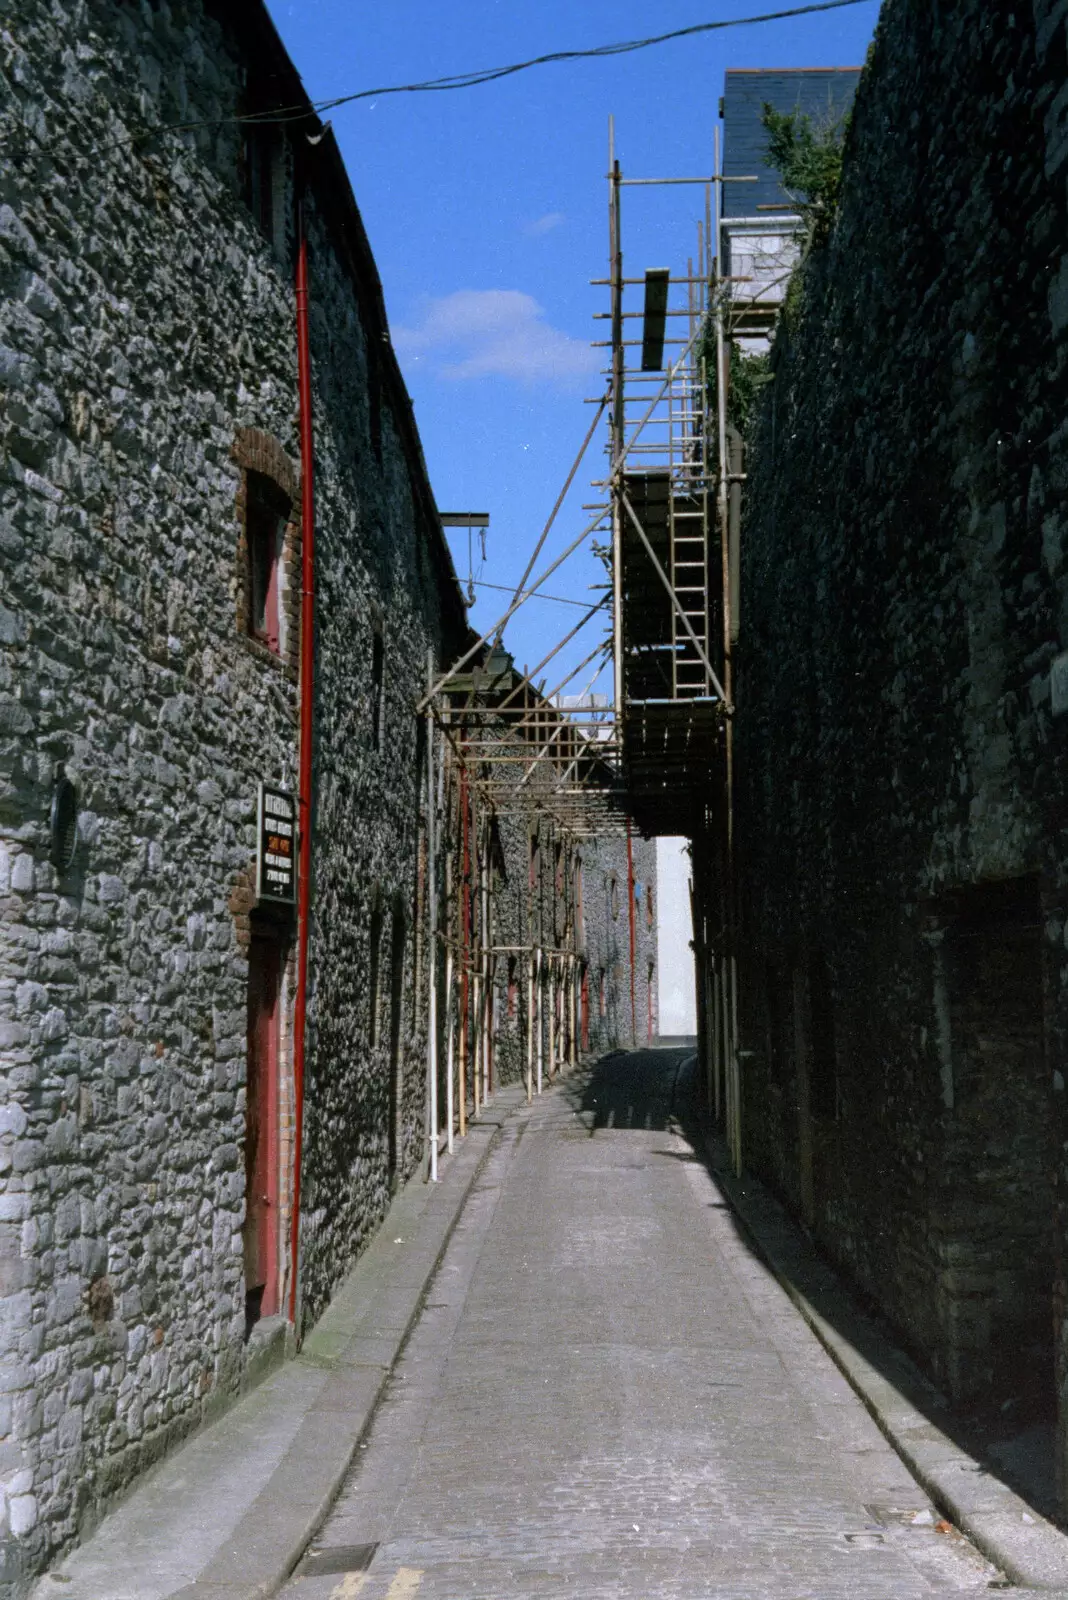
{"type": "Point", "coordinates": [545, 224]}
{"type": "Point", "coordinates": [481, 333]}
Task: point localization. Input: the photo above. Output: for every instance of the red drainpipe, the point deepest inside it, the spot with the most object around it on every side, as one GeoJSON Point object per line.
{"type": "Point", "coordinates": [630, 909]}
{"type": "Point", "coordinates": [307, 667]}
{"type": "Point", "coordinates": [465, 890]}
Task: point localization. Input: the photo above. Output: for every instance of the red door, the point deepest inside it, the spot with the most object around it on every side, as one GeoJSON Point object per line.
{"type": "Point", "coordinates": [585, 1010]}
{"type": "Point", "coordinates": [261, 1131]}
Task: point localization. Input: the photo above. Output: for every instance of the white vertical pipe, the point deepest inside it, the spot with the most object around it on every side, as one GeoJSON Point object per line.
{"type": "Point", "coordinates": [552, 1014]}
{"type": "Point", "coordinates": [710, 991]}
{"type": "Point", "coordinates": [725, 1048]}
{"type": "Point", "coordinates": [487, 941]}
{"type": "Point", "coordinates": [432, 941]}
{"type": "Point", "coordinates": [476, 1026]}
{"type": "Point", "coordinates": [530, 1028]}
{"type": "Point", "coordinates": [539, 991]}
{"type": "Point", "coordinates": [474, 962]}
{"type": "Point", "coordinates": [736, 1068]}
{"type": "Point", "coordinates": [717, 1045]}
{"type": "Point", "coordinates": [450, 1034]}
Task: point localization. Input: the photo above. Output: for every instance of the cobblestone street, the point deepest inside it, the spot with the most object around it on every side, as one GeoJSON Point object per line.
{"type": "Point", "coordinates": [608, 1395]}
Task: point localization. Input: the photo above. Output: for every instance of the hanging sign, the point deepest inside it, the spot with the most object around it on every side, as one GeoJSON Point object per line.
{"type": "Point", "coordinates": [276, 846]}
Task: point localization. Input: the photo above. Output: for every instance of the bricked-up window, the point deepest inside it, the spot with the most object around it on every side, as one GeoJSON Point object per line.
{"type": "Point", "coordinates": [534, 878]}
{"type": "Point", "coordinates": [374, 975]}
{"type": "Point", "coordinates": [994, 962]}
{"type": "Point", "coordinates": [777, 1013]}
{"type": "Point", "coordinates": [261, 168]}
{"type": "Point", "coordinates": [426, 803]}
{"type": "Point", "coordinates": [375, 340]}
{"type": "Point", "coordinates": [823, 1081]}
{"type": "Point", "coordinates": [417, 918]}
{"type": "Point", "coordinates": [498, 868]}
{"type": "Point", "coordinates": [266, 512]}
{"type": "Point", "coordinates": [999, 1160]}
{"type": "Point", "coordinates": [378, 687]}
{"type": "Point", "coordinates": [396, 1030]}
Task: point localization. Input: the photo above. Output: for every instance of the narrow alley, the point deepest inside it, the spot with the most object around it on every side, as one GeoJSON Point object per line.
{"type": "Point", "coordinates": [533, 795]}
{"type": "Point", "coordinates": [606, 1394]}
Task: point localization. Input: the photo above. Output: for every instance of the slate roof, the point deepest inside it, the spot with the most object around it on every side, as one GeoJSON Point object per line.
{"type": "Point", "coordinates": [818, 92]}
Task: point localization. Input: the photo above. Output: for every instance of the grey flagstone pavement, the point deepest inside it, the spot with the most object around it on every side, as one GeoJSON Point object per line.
{"type": "Point", "coordinates": [608, 1395]}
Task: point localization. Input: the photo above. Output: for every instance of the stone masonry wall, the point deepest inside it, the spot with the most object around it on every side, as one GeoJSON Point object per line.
{"type": "Point", "coordinates": [146, 342]}
{"type": "Point", "coordinates": [605, 889]}
{"type": "Point", "coordinates": [546, 913]}
{"type": "Point", "coordinates": [902, 816]}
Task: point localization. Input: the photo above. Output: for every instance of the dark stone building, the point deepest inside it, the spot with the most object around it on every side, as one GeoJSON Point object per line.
{"type": "Point", "coordinates": [902, 764]}
{"type": "Point", "coordinates": [150, 528]}
{"type": "Point", "coordinates": [154, 696]}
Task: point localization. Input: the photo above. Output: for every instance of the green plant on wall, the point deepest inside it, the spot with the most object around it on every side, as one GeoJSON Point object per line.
{"type": "Point", "coordinates": [747, 375]}
{"type": "Point", "coordinates": [749, 372]}
{"type": "Point", "coordinates": [808, 157]}
{"type": "Point", "coordinates": [807, 153]}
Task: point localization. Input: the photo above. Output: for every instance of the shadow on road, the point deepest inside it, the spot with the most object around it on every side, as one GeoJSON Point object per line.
{"type": "Point", "coordinates": [656, 1089]}
{"type": "Point", "coordinates": [628, 1089]}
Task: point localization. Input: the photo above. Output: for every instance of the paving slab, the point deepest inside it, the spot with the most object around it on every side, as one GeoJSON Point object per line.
{"type": "Point", "coordinates": [608, 1394]}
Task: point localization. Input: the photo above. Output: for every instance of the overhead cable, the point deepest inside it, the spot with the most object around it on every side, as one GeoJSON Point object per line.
{"type": "Point", "coordinates": [536, 594]}
{"type": "Point", "coordinates": [470, 80]}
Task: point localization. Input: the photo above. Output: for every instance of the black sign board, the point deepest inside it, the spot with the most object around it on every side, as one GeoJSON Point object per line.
{"type": "Point", "coordinates": [276, 846]}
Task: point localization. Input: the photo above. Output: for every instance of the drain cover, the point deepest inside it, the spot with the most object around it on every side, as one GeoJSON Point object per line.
{"type": "Point", "coordinates": [320, 1563]}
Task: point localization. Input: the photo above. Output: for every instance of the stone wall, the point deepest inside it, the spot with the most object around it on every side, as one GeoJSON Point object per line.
{"type": "Point", "coordinates": [147, 363]}
{"type": "Point", "coordinates": [607, 927]}
{"type": "Point", "coordinates": [555, 893]}
{"type": "Point", "coordinates": [902, 778]}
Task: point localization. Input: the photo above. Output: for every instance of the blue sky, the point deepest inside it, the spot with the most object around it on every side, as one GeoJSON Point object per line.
{"type": "Point", "coordinates": [486, 210]}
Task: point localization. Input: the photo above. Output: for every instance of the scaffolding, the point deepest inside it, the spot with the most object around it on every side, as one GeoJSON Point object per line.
{"type": "Point", "coordinates": [657, 755]}
{"type": "Point", "coordinates": [673, 496]}
{"type": "Point", "coordinates": [500, 752]}
{"type": "Point", "coordinates": [646, 754]}
{"type": "Point", "coordinates": [666, 499]}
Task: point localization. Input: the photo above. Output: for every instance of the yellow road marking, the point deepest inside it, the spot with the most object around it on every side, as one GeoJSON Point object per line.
{"type": "Point", "coordinates": [405, 1585]}
{"type": "Point", "coordinates": [349, 1587]}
